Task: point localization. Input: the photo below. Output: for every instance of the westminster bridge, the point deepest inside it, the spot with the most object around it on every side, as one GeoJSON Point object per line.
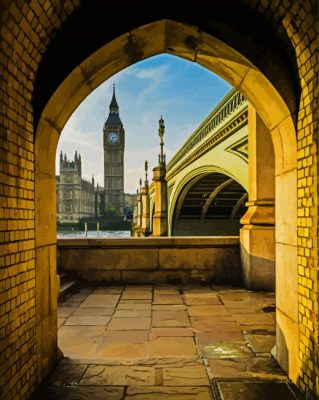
{"type": "Point", "coordinates": [206, 180]}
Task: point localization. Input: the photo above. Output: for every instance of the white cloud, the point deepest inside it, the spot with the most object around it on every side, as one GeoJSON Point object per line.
{"type": "Point", "coordinates": [156, 76]}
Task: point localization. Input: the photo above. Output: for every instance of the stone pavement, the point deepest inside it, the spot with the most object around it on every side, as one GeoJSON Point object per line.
{"type": "Point", "coordinates": [166, 342]}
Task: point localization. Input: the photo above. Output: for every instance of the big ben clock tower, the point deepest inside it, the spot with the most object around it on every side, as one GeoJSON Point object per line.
{"type": "Point", "coordinates": [114, 143]}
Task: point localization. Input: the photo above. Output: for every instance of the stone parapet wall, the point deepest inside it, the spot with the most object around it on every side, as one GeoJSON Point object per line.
{"type": "Point", "coordinates": [152, 260]}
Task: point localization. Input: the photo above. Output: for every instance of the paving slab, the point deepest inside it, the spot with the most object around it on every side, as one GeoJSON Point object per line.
{"type": "Point", "coordinates": [108, 290]}
{"type": "Point", "coordinates": [234, 311]}
{"type": "Point", "coordinates": [261, 343]}
{"type": "Point", "coordinates": [137, 336]}
{"type": "Point", "coordinates": [167, 291]}
{"type": "Point", "coordinates": [202, 324]}
{"type": "Point", "coordinates": [169, 307]}
{"type": "Point", "coordinates": [135, 301]}
{"type": "Point", "coordinates": [132, 313]}
{"type": "Point", "coordinates": [185, 376]}
{"type": "Point", "coordinates": [100, 311]}
{"type": "Point", "coordinates": [77, 297]}
{"type": "Point", "coordinates": [129, 324]}
{"type": "Point", "coordinates": [70, 304]}
{"type": "Point", "coordinates": [259, 329]}
{"type": "Point", "coordinates": [170, 318]}
{"type": "Point", "coordinates": [80, 331]}
{"type": "Point", "coordinates": [137, 295]}
{"type": "Point", "coordinates": [120, 351]}
{"type": "Point", "coordinates": [119, 375]}
{"type": "Point", "coordinates": [79, 347]}
{"type": "Point", "coordinates": [172, 347]}
{"type": "Point", "coordinates": [167, 299]}
{"type": "Point", "coordinates": [162, 332]}
{"type": "Point", "coordinates": [168, 393]}
{"type": "Point", "coordinates": [87, 320]}
{"type": "Point", "coordinates": [219, 336]}
{"type": "Point", "coordinates": [253, 319]}
{"type": "Point", "coordinates": [225, 350]}
{"type": "Point", "coordinates": [207, 311]}
{"type": "Point", "coordinates": [64, 312]}
{"type": "Point", "coordinates": [253, 390]}
{"type": "Point", "coordinates": [201, 298]}
{"type": "Point", "coordinates": [101, 300]}
{"type": "Point", "coordinates": [241, 367]}
{"type": "Point", "coordinates": [130, 305]}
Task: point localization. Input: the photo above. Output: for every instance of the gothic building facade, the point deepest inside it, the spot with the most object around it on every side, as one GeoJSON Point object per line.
{"type": "Point", "coordinates": [76, 197]}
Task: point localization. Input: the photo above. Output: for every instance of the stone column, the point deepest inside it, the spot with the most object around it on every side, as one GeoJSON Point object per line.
{"type": "Point", "coordinates": [145, 226]}
{"type": "Point", "coordinates": [257, 236]}
{"type": "Point", "coordinates": [137, 215]}
{"type": "Point", "coordinates": [160, 215]}
{"type": "Point", "coordinates": [139, 211]}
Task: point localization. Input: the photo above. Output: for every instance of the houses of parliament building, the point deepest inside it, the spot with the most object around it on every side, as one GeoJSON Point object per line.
{"type": "Point", "coordinates": [79, 198]}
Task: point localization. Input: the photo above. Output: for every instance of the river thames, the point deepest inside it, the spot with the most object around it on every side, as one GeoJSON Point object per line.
{"type": "Point", "coordinates": [92, 234]}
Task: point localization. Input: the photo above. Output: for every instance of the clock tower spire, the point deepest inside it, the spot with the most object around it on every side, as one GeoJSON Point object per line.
{"type": "Point", "coordinates": [114, 144]}
{"type": "Point", "coordinates": [114, 108]}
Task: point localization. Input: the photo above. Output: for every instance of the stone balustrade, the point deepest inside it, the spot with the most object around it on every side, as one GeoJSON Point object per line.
{"type": "Point", "coordinates": [211, 125]}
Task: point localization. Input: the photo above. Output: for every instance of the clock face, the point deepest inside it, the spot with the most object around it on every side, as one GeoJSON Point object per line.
{"type": "Point", "coordinates": [113, 138]}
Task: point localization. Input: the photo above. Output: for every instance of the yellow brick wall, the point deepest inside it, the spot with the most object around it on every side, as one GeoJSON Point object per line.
{"type": "Point", "coordinates": [25, 31]}
{"type": "Point", "coordinates": [25, 28]}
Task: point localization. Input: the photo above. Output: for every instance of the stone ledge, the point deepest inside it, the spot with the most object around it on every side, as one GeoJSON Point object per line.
{"type": "Point", "coordinates": [189, 241]}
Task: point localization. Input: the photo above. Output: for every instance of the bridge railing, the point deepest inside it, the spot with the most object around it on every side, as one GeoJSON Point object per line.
{"type": "Point", "coordinates": [231, 102]}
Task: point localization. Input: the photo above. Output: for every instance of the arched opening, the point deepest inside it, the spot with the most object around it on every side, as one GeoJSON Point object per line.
{"type": "Point", "coordinates": [210, 205]}
{"type": "Point", "coordinates": [259, 86]}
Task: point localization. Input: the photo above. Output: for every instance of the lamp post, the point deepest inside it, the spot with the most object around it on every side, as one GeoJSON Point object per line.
{"type": "Point", "coordinates": [160, 188]}
{"type": "Point", "coordinates": [146, 169]}
{"type": "Point", "coordinates": [161, 131]}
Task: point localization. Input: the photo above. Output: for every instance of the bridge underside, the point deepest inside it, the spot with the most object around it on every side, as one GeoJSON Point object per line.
{"type": "Point", "coordinates": [210, 205]}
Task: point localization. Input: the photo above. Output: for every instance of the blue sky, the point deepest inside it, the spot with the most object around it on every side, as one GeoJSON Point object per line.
{"type": "Point", "coordinates": [182, 92]}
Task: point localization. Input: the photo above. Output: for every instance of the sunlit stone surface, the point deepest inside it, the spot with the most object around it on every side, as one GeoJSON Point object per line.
{"type": "Point", "coordinates": [165, 341]}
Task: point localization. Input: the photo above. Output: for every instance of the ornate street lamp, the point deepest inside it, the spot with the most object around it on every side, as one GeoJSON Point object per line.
{"type": "Point", "coordinates": [146, 169]}
{"type": "Point", "coordinates": [161, 131]}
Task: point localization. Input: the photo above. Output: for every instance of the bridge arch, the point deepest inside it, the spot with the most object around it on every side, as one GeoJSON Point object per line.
{"type": "Point", "coordinates": [209, 205]}
{"type": "Point", "coordinates": [183, 185]}
{"type": "Point", "coordinates": [273, 92]}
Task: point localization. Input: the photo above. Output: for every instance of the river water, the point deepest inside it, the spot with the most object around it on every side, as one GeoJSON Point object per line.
{"type": "Point", "coordinates": [93, 234]}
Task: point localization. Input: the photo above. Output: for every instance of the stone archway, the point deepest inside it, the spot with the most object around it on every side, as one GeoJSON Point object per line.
{"type": "Point", "coordinates": [188, 42]}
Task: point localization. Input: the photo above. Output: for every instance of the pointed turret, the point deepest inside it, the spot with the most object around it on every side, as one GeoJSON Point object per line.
{"type": "Point", "coordinates": [114, 108]}
{"type": "Point", "coordinates": [114, 117]}
{"type": "Point", "coordinates": [79, 165]}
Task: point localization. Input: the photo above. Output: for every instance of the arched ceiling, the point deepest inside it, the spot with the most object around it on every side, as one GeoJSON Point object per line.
{"type": "Point", "coordinates": [97, 22]}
